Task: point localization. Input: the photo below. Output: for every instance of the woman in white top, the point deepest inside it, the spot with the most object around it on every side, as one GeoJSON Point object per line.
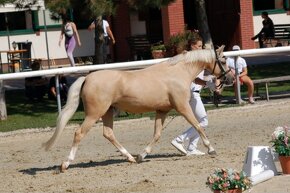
{"type": "Point", "coordinates": [197, 106]}
{"type": "Point", "coordinates": [243, 73]}
{"type": "Point", "coordinates": [69, 30]}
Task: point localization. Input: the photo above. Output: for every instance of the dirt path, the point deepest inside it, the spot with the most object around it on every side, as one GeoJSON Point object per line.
{"type": "Point", "coordinates": [98, 167]}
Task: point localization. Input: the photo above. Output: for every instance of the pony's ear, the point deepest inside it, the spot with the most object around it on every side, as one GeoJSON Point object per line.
{"type": "Point", "coordinates": [220, 50]}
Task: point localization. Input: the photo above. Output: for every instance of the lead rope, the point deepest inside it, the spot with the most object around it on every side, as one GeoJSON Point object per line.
{"type": "Point", "coordinates": [172, 118]}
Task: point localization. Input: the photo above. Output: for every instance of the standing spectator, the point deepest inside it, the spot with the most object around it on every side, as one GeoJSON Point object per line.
{"type": "Point", "coordinates": [103, 36]}
{"type": "Point", "coordinates": [197, 107]}
{"type": "Point", "coordinates": [267, 31]}
{"type": "Point", "coordinates": [69, 30]}
{"type": "Point", "coordinates": [243, 73]}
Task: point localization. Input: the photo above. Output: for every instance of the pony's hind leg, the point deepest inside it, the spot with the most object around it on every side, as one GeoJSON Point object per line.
{"type": "Point", "coordinates": [159, 120]}
{"type": "Point", "coordinates": [109, 134]}
{"type": "Point", "coordinates": [79, 134]}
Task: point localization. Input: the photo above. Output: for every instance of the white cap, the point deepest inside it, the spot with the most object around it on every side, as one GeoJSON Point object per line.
{"type": "Point", "coordinates": [236, 47]}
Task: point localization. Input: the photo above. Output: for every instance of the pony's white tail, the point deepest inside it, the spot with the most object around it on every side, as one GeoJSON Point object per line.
{"type": "Point", "coordinates": [67, 112]}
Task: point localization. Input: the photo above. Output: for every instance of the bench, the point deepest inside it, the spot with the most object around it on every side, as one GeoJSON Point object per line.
{"type": "Point", "coordinates": [139, 47]}
{"type": "Point", "coordinates": [267, 81]}
{"type": "Point", "coordinates": [282, 36]}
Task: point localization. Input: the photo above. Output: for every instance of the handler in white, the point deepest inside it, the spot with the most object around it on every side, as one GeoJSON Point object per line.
{"type": "Point", "coordinates": [197, 106]}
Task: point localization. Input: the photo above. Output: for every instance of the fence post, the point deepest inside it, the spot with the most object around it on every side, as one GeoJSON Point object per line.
{"type": "Point", "coordinates": [237, 84]}
{"type": "Point", "coordinates": [3, 110]}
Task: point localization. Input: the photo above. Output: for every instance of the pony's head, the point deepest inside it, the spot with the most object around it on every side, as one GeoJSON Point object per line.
{"type": "Point", "coordinates": [221, 69]}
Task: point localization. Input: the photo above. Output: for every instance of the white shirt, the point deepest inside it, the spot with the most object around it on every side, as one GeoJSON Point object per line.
{"type": "Point", "coordinates": [105, 25]}
{"type": "Point", "coordinates": [241, 63]}
{"type": "Point", "coordinates": [68, 30]}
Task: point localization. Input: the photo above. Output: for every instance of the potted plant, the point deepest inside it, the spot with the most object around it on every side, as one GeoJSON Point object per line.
{"type": "Point", "coordinates": [281, 145]}
{"type": "Point", "coordinates": [158, 50]}
{"type": "Point", "coordinates": [228, 180]}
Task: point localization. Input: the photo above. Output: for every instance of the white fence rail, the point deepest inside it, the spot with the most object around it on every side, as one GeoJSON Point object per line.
{"type": "Point", "coordinates": [81, 69]}
{"type": "Point", "coordinates": [127, 65]}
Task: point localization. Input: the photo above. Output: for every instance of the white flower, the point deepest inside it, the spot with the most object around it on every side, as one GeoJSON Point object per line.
{"type": "Point", "coordinates": [278, 131]}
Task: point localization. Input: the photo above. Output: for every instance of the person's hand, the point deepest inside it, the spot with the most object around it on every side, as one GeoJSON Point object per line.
{"type": "Point", "coordinates": [210, 84]}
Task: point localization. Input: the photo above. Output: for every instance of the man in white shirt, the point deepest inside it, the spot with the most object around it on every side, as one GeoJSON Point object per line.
{"type": "Point", "coordinates": [102, 37]}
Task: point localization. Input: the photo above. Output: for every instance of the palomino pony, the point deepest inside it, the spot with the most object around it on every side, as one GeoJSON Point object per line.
{"type": "Point", "coordinates": [158, 88]}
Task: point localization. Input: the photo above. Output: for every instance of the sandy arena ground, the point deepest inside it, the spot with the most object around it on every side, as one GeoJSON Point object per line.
{"type": "Point", "coordinates": [99, 167]}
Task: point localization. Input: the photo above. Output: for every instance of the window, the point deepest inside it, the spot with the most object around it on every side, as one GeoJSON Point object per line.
{"type": "Point", "coordinates": [15, 21]}
{"type": "Point", "coordinates": [271, 6]}
{"type": "Point", "coordinates": [42, 18]}
{"type": "Point", "coordinates": [25, 22]}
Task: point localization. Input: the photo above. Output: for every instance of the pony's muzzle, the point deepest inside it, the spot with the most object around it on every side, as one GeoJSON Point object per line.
{"type": "Point", "coordinates": [228, 79]}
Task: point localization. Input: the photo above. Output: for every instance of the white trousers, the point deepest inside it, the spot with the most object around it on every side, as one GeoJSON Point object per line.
{"type": "Point", "coordinates": [198, 110]}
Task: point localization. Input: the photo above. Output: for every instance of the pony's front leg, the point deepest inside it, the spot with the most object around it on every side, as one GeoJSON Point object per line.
{"type": "Point", "coordinates": [109, 134]}
{"type": "Point", "coordinates": [79, 134]}
{"type": "Point", "coordinates": [189, 116]}
{"type": "Point", "coordinates": [159, 120]}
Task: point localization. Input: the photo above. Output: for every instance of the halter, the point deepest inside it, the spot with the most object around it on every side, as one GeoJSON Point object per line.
{"type": "Point", "coordinates": [224, 72]}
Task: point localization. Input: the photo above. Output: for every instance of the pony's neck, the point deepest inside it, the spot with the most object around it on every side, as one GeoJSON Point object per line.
{"type": "Point", "coordinates": [199, 60]}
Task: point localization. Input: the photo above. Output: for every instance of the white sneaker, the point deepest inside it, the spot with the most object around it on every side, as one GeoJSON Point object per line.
{"type": "Point", "coordinates": [179, 146]}
{"type": "Point", "coordinates": [251, 100]}
{"type": "Point", "coordinates": [195, 152]}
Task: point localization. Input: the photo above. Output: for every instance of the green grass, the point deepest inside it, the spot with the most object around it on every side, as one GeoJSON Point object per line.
{"type": "Point", "coordinates": [23, 114]}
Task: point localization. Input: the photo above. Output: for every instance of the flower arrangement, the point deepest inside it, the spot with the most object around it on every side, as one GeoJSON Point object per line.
{"type": "Point", "coordinates": [281, 141]}
{"type": "Point", "coordinates": [228, 179]}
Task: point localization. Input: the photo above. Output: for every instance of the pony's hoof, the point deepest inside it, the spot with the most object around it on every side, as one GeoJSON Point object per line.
{"type": "Point", "coordinates": [212, 153]}
{"type": "Point", "coordinates": [62, 167]}
{"type": "Point", "coordinates": [132, 160]}
{"type": "Point", "coordinates": [139, 158]}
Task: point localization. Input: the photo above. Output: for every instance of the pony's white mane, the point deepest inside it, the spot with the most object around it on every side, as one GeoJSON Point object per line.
{"type": "Point", "coordinates": [207, 56]}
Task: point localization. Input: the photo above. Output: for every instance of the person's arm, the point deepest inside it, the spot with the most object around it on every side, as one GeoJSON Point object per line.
{"type": "Point", "coordinates": [200, 81]}
{"type": "Point", "coordinates": [110, 33]}
{"type": "Point", "coordinates": [53, 91]}
{"type": "Point", "coordinates": [244, 72]}
{"type": "Point", "coordinates": [243, 63]}
{"type": "Point", "coordinates": [209, 83]}
{"type": "Point", "coordinates": [92, 26]}
{"type": "Point", "coordinates": [61, 36]}
{"type": "Point", "coordinates": [76, 33]}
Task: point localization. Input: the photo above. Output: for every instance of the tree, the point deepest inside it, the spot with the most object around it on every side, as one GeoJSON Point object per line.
{"type": "Point", "coordinates": [202, 23]}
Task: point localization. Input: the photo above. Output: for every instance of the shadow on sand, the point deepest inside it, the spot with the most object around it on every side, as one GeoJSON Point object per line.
{"type": "Point", "coordinates": [56, 168]}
